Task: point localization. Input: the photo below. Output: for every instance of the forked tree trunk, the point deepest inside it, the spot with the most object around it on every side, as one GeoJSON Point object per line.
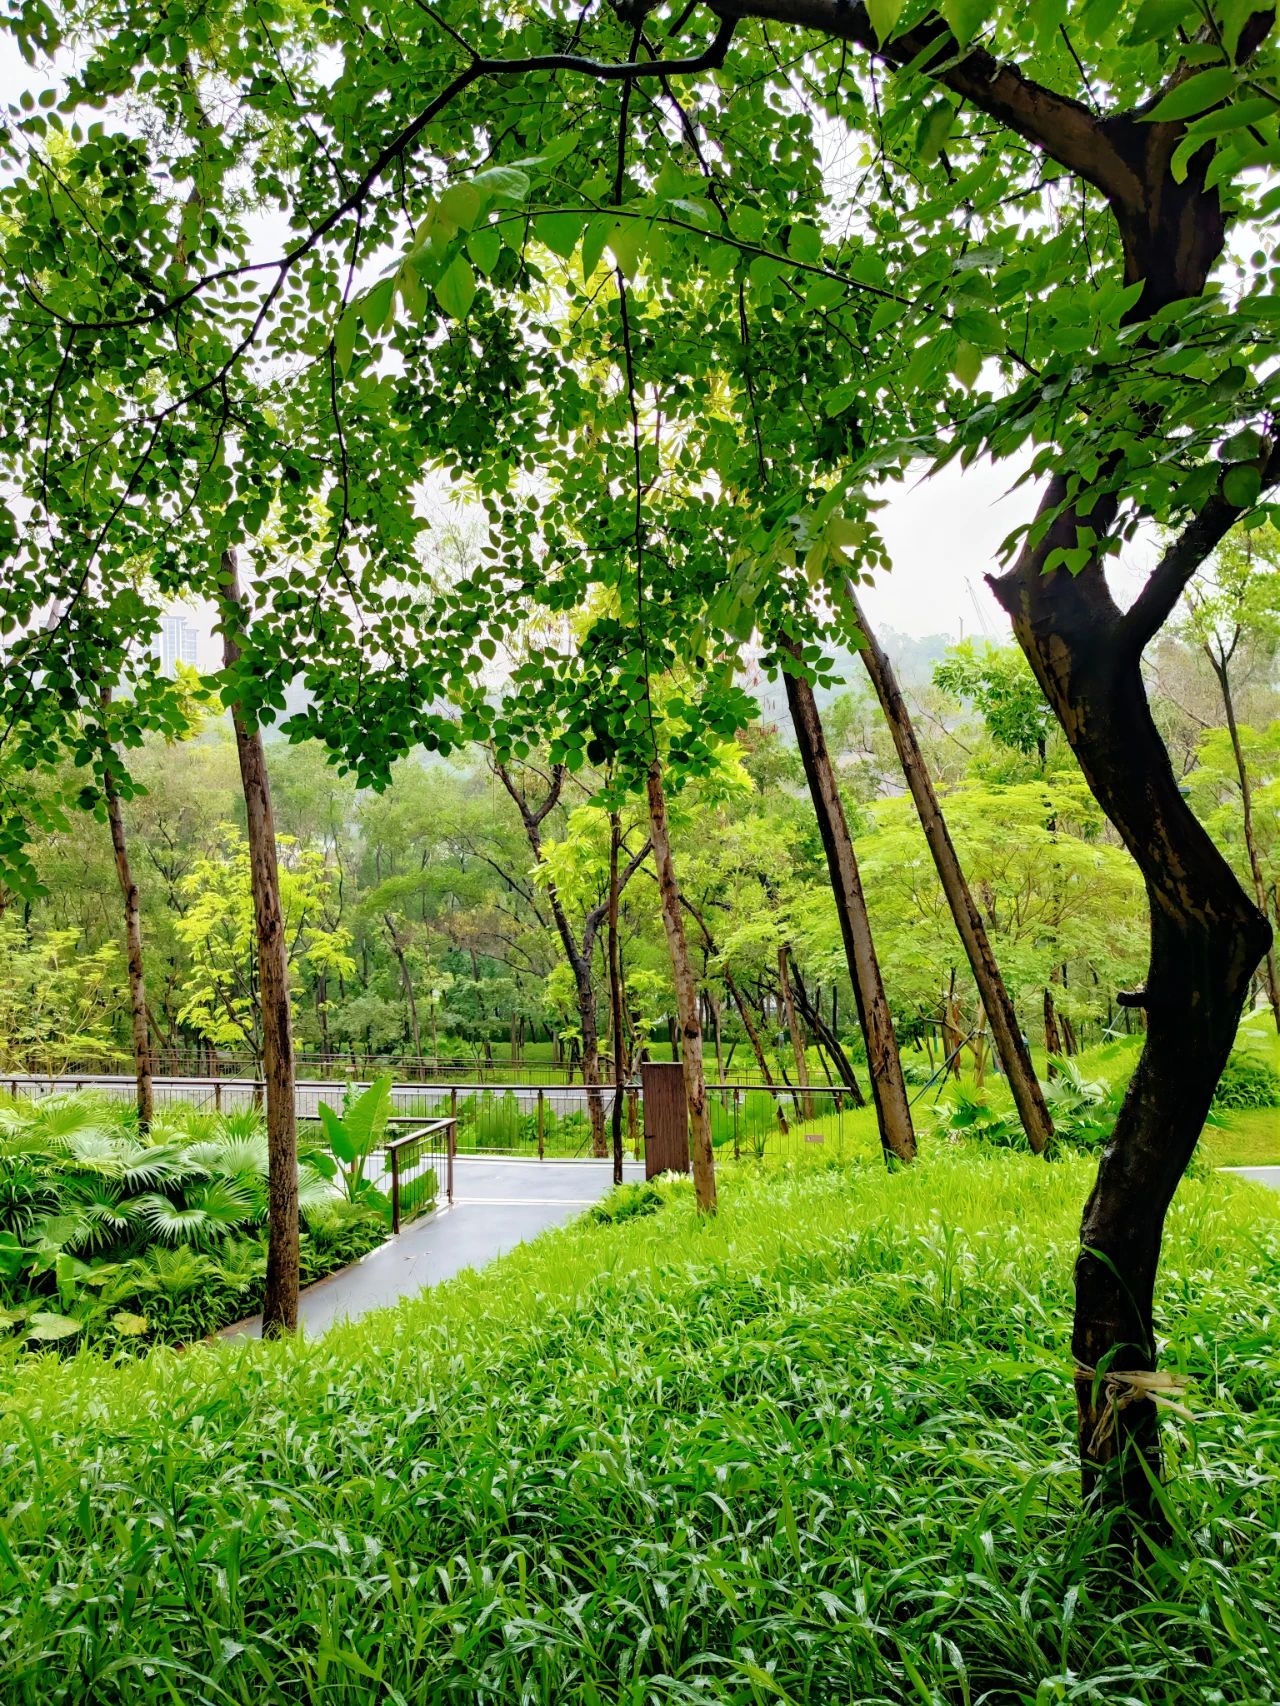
{"type": "Point", "coordinates": [280, 1293]}
{"type": "Point", "coordinates": [133, 944]}
{"type": "Point", "coordinates": [757, 1047]}
{"type": "Point", "coordinates": [797, 1040]}
{"type": "Point", "coordinates": [1271, 971]}
{"type": "Point", "coordinates": [1206, 939]}
{"type": "Point", "coordinates": [893, 1112]}
{"type": "Point", "coordinates": [1006, 1032]}
{"type": "Point", "coordinates": [406, 982]}
{"type": "Point", "coordinates": [615, 996]}
{"type": "Point", "coordinates": [826, 1034]}
{"type": "Point", "coordinates": [695, 1083]}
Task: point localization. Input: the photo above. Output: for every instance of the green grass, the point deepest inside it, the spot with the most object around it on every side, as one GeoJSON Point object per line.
{"type": "Point", "coordinates": [818, 1451]}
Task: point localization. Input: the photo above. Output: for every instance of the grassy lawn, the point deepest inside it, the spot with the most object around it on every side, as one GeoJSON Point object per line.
{"type": "Point", "coordinates": [818, 1451]}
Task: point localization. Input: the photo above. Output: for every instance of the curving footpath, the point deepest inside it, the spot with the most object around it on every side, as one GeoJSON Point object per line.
{"type": "Point", "coordinates": [497, 1205]}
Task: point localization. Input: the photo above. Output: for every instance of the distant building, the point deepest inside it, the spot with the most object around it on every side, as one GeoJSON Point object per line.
{"type": "Point", "coordinates": [178, 641]}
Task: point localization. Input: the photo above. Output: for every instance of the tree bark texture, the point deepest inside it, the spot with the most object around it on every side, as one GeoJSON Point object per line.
{"type": "Point", "coordinates": [133, 946]}
{"type": "Point", "coordinates": [888, 1090]}
{"type": "Point", "coordinates": [280, 1294]}
{"type": "Point", "coordinates": [1006, 1032]}
{"type": "Point", "coordinates": [695, 1083]}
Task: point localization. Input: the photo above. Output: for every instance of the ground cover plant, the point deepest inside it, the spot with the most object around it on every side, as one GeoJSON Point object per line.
{"type": "Point", "coordinates": [820, 1450]}
{"type": "Point", "coordinates": [129, 1239]}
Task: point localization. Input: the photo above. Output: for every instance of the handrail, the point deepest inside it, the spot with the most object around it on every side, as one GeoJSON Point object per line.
{"type": "Point", "coordinates": [391, 1150]}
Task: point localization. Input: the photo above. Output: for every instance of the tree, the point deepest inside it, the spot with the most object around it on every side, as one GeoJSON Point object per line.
{"type": "Point", "coordinates": [1003, 1020]}
{"type": "Point", "coordinates": [1234, 606]}
{"type": "Point", "coordinates": [1027, 272]}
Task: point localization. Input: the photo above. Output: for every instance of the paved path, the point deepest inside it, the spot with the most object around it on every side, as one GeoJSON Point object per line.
{"type": "Point", "coordinates": [497, 1205]}
{"type": "Point", "coordinates": [1269, 1176]}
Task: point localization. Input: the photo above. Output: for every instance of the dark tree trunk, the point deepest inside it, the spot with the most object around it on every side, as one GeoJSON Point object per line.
{"type": "Point", "coordinates": [1206, 939]}
{"type": "Point", "coordinates": [793, 1030]}
{"type": "Point", "coordinates": [828, 1036]}
{"type": "Point", "coordinates": [893, 1112]}
{"type": "Point", "coordinates": [133, 943]}
{"type": "Point", "coordinates": [1052, 1036]}
{"type": "Point", "coordinates": [695, 1084]}
{"type": "Point", "coordinates": [280, 1293]}
{"type": "Point", "coordinates": [1006, 1033]}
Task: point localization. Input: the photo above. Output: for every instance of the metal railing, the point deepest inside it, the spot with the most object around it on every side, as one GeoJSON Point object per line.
{"type": "Point", "coordinates": [542, 1122]}
{"type": "Point", "coordinates": [412, 1162]}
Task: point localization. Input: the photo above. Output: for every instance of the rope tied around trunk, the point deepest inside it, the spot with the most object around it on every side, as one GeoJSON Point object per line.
{"type": "Point", "coordinates": [1124, 1386]}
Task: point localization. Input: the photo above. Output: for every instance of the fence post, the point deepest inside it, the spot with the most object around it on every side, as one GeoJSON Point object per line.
{"type": "Point", "coordinates": [217, 1095]}
{"type": "Point", "coordinates": [542, 1125]}
{"type": "Point", "coordinates": [737, 1140]}
{"type": "Point", "coordinates": [258, 1089]}
{"type": "Point", "coordinates": [395, 1190]}
{"type": "Point", "coordinates": [452, 1147]}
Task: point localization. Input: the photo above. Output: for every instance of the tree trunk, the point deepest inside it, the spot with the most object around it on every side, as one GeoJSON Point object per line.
{"type": "Point", "coordinates": [397, 948]}
{"type": "Point", "coordinates": [827, 1035]}
{"type": "Point", "coordinates": [280, 1294]}
{"type": "Point", "coordinates": [1206, 939]}
{"type": "Point", "coordinates": [615, 996]}
{"type": "Point", "coordinates": [1271, 971]}
{"type": "Point", "coordinates": [797, 1040]}
{"type": "Point", "coordinates": [1006, 1032]}
{"type": "Point", "coordinates": [133, 943]}
{"type": "Point", "coordinates": [702, 1154]}
{"type": "Point", "coordinates": [1052, 1036]}
{"type": "Point", "coordinates": [893, 1113]}
{"type": "Point", "coordinates": [757, 1047]}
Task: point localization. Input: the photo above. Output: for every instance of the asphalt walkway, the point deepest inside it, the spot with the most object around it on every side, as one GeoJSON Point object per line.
{"type": "Point", "coordinates": [497, 1205]}
{"type": "Point", "coordinates": [1269, 1176]}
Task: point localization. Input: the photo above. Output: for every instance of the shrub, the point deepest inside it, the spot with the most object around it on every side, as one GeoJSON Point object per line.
{"type": "Point", "coordinates": [624, 1202]}
{"type": "Point", "coordinates": [109, 1235]}
{"type": "Point", "coordinates": [1247, 1082]}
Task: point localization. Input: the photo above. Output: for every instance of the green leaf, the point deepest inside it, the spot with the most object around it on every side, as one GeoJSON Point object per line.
{"type": "Point", "coordinates": [966, 364]}
{"type": "Point", "coordinates": [131, 1326]}
{"type": "Point", "coordinates": [461, 203]}
{"type": "Point", "coordinates": [594, 239]}
{"type": "Point", "coordinates": [964, 18]}
{"type": "Point", "coordinates": [484, 246]}
{"type": "Point", "coordinates": [933, 131]}
{"type": "Point", "coordinates": [560, 232]}
{"type": "Point", "coordinates": [47, 1327]}
{"type": "Point", "coordinates": [1195, 95]}
{"type": "Point", "coordinates": [1242, 485]}
{"type": "Point", "coordinates": [456, 289]}
{"type": "Point", "coordinates": [344, 339]}
{"type": "Point", "coordinates": [1157, 20]}
{"type": "Point", "coordinates": [502, 183]}
{"type": "Point", "coordinates": [336, 1134]}
{"type": "Point", "coordinates": [805, 242]}
{"type": "Point", "coordinates": [627, 243]}
{"type": "Point", "coordinates": [884, 15]}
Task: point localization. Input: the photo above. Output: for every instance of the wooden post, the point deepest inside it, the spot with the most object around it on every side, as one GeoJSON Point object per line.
{"type": "Point", "coordinates": [217, 1095]}
{"type": "Point", "coordinates": [395, 1190]}
{"type": "Point", "coordinates": [452, 1149]}
{"type": "Point", "coordinates": [666, 1118]}
{"type": "Point", "coordinates": [542, 1125]}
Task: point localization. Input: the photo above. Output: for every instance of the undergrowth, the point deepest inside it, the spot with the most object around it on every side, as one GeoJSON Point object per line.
{"type": "Point", "coordinates": [819, 1450]}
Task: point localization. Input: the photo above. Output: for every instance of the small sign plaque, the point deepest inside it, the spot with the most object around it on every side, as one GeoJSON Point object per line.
{"type": "Point", "coordinates": [814, 1137]}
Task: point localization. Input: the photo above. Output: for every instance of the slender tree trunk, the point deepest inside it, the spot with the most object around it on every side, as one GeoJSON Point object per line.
{"type": "Point", "coordinates": [827, 1035]}
{"type": "Point", "coordinates": [714, 1003]}
{"type": "Point", "coordinates": [757, 1047]}
{"type": "Point", "coordinates": [1006, 1032]}
{"type": "Point", "coordinates": [1052, 1036]}
{"type": "Point", "coordinates": [406, 982]}
{"type": "Point", "coordinates": [280, 1294]}
{"type": "Point", "coordinates": [615, 996]}
{"type": "Point", "coordinates": [797, 1040]}
{"type": "Point", "coordinates": [133, 943]}
{"type": "Point", "coordinates": [1271, 970]}
{"type": "Point", "coordinates": [703, 1156]}
{"type": "Point", "coordinates": [893, 1112]}
{"type": "Point", "coordinates": [1206, 939]}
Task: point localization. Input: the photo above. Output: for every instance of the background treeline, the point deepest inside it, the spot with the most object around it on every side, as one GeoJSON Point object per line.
{"type": "Point", "coordinates": [429, 921]}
